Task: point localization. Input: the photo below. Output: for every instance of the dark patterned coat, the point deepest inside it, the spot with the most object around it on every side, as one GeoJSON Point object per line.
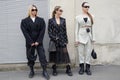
{"type": "Point", "coordinates": [58, 33]}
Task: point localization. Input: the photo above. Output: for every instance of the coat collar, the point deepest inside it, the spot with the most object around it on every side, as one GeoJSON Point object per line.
{"type": "Point", "coordinates": [55, 23]}
{"type": "Point", "coordinates": [31, 19]}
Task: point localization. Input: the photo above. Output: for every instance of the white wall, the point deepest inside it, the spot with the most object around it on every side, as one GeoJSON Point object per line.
{"type": "Point", "coordinates": [106, 27]}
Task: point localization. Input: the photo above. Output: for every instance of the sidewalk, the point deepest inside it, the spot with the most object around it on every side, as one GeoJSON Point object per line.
{"type": "Point", "coordinates": [108, 72]}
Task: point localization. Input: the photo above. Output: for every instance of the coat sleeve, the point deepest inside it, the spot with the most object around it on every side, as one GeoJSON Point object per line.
{"type": "Point", "coordinates": [41, 32]}
{"type": "Point", "coordinates": [65, 33]}
{"type": "Point", "coordinates": [26, 33]}
{"type": "Point", "coordinates": [93, 27]}
{"type": "Point", "coordinates": [77, 30]}
{"type": "Point", "coordinates": [51, 31]}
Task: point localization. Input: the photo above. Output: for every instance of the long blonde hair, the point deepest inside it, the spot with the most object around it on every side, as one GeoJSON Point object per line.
{"type": "Point", "coordinates": [55, 9]}
{"type": "Point", "coordinates": [30, 8]}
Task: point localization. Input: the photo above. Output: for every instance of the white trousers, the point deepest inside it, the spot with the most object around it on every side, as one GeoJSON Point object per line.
{"type": "Point", "coordinates": [84, 51]}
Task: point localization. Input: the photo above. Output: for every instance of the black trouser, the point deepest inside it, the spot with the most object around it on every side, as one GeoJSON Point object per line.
{"type": "Point", "coordinates": [32, 57]}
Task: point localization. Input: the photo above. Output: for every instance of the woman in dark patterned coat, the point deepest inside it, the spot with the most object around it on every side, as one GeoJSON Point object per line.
{"type": "Point", "coordinates": [58, 35]}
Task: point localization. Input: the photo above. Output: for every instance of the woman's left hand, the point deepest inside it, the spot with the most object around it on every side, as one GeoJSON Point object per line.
{"type": "Point", "coordinates": [65, 43]}
{"type": "Point", "coordinates": [36, 43]}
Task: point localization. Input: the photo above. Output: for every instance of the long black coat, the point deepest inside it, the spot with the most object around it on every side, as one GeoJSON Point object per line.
{"type": "Point", "coordinates": [59, 32]}
{"type": "Point", "coordinates": [33, 31]}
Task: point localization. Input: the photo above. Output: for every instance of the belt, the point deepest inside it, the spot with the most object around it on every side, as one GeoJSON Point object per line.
{"type": "Point", "coordinates": [85, 26]}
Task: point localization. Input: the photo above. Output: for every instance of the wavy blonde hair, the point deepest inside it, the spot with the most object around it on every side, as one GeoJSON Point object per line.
{"type": "Point", "coordinates": [30, 8]}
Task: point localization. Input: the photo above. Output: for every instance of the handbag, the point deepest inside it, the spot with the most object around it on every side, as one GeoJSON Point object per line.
{"type": "Point", "coordinates": [52, 46]}
{"type": "Point", "coordinates": [32, 57]}
{"type": "Point", "coordinates": [94, 54]}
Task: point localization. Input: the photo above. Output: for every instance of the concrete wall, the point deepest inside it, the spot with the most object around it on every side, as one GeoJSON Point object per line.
{"type": "Point", "coordinates": [106, 27]}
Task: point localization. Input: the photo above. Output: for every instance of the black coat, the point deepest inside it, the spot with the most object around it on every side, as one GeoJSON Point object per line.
{"type": "Point", "coordinates": [59, 32]}
{"type": "Point", "coordinates": [33, 31]}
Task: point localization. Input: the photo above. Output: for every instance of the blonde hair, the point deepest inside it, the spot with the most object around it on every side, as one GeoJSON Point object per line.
{"type": "Point", "coordinates": [55, 9]}
{"type": "Point", "coordinates": [30, 8]}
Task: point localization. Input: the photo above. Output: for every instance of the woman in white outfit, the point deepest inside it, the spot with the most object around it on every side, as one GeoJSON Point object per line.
{"type": "Point", "coordinates": [84, 38]}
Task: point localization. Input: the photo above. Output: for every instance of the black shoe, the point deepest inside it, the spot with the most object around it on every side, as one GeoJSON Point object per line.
{"type": "Point", "coordinates": [68, 70]}
{"type": "Point", "coordinates": [46, 75]}
{"type": "Point", "coordinates": [54, 67]}
{"type": "Point", "coordinates": [31, 74]}
{"type": "Point", "coordinates": [88, 71]}
{"type": "Point", "coordinates": [81, 71]}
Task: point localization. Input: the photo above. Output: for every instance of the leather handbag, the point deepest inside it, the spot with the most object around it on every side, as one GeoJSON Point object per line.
{"type": "Point", "coordinates": [94, 54]}
{"type": "Point", "coordinates": [32, 57]}
{"type": "Point", "coordinates": [52, 46]}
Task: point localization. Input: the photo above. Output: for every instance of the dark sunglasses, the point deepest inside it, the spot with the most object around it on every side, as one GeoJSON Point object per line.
{"type": "Point", "coordinates": [86, 6]}
{"type": "Point", "coordinates": [61, 10]}
{"type": "Point", "coordinates": [34, 10]}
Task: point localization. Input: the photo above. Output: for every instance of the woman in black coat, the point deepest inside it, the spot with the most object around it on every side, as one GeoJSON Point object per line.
{"type": "Point", "coordinates": [33, 28]}
{"type": "Point", "coordinates": [58, 35]}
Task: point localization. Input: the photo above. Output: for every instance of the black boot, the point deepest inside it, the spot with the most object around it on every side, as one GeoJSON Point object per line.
{"type": "Point", "coordinates": [54, 67]}
{"type": "Point", "coordinates": [45, 73]}
{"type": "Point", "coordinates": [31, 74]}
{"type": "Point", "coordinates": [81, 71]}
{"type": "Point", "coordinates": [68, 70]}
{"type": "Point", "coordinates": [88, 71]}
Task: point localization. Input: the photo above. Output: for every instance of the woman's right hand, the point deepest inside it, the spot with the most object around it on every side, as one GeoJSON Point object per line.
{"type": "Point", "coordinates": [32, 44]}
{"type": "Point", "coordinates": [77, 43]}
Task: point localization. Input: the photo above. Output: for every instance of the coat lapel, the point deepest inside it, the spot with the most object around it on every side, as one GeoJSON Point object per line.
{"type": "Point", "coordinates": [61, 21]}
{"type": "Point", "coordinates": [31, 23]}
{"type": "Point", "coordinates": [30, 20]}
{"type": "Point", "coordinates": [54, 21]}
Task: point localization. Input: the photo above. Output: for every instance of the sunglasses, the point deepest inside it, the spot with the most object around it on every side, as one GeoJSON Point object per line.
{"type": "Point", "coordinates": [34, 10]}
{"type": "Point", "coordinates": [61, 10]}
{"type": "Point", "coordinates": [86, 6]}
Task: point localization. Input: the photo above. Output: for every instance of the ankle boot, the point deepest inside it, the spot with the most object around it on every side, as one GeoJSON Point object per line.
{"type": "Point", "coordinates": [81, 71]}
{"type": "Point", "coordinates": [88, 71]}
{"type": "Point", "coordinates": [68, 70]}
{"type": "Point", "coordinates": [45, 73]}
{"type": "Point", "coordinates": [54, 67]}
{"type": "Point", "coordinates": [31, 74]}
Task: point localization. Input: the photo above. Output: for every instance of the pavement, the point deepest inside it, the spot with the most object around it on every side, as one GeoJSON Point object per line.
{"type": "Point", "coordinates": [106, 72]}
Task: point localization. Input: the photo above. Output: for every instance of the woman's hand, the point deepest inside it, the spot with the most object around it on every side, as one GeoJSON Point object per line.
{"type": "Point", "coordinates": [32, 44]}
{"type": "Point", "coordinates": [77, 43]}
{"type": "Point", "coordinates": [65, 43]}
{"type": "Point", "coordinates": [36, 43]}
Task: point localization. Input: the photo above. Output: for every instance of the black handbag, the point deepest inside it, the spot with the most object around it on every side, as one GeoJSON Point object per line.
{"type": "Point", "coordinates": [94, 54]}
{"type": "Point", "coordinates": [87, 30]}
{"type": "Point", "coordinates": [32, 57]}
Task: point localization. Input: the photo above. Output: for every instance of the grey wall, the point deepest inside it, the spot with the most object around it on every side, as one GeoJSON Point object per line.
{"type": "Point", "coordinates": [12, 42]}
